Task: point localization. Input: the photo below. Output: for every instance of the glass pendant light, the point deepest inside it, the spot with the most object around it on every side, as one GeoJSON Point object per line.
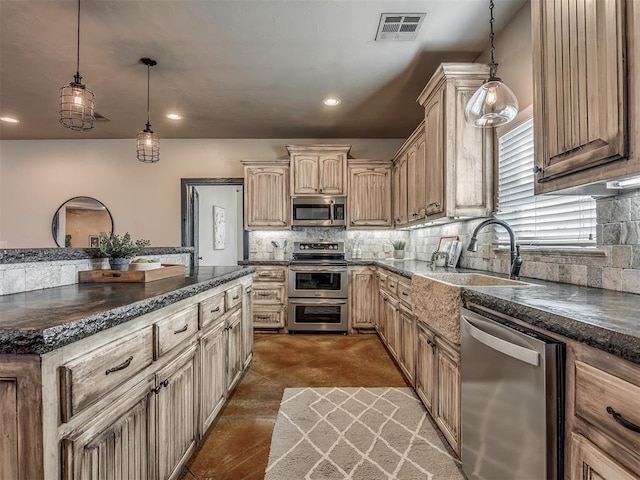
{"type": "Point", "coordinates": [494, 103]}
{"type": "Point", "coordinates": [76, 102]}
{"type": "Point", "coordinates": [148, 141]}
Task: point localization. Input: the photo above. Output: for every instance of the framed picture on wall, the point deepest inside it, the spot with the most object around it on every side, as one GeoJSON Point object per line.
{"type": "Point", "coordinates": [94, 241]}
{"type": "Point", "coordinates": [218, 228]}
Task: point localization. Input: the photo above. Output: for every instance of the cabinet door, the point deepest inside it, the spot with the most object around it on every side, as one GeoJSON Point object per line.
{"type": "Point", "coordinates": [369, 200]}
{"type": "Point", "coordinates": [331, 175]}
{"type": "Point", "coordinates": [407, 344]}
{"type": "Point", "coordinates": [266, 203]}
{"type": "Point", "coordinates": [400, 194]}
{"type": "Point", "coordinates": [234, 349]}
{"type": "Point", "coordinates": [426, 368]}
{"type": "Point", "coordinates": [20, 417]}
{"type": "Point", "coordinates": [118, 443]}
{"type": "Point", "coordinates": [393, 328]}
{"type": "Point", "coordinates": [434, 154]}
{"type": "Point", "coordinates": [361, 308]}
{"type": "Point", "coordinates": [382, 316]}
{"type": "Point", "coordinates": [580, 77]}
{"type": "Point", "coordinates": [588, 462]}
{"type": "Point", "coordinates": [448, 416]}
{"type": "Point", "coordinates": [213, 373]}
{"type": "Point", "coordinates": [417, 175]}
{"type": "Point", "coordinates": [176, 413]}
{"type": "Point", "coordinates": [305, 174]}
{"type": "Point", "coordinates": [247, 326]}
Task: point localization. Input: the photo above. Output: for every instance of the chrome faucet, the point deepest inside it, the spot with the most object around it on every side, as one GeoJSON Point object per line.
{"type": "Point", "coordinates": [516, 259]}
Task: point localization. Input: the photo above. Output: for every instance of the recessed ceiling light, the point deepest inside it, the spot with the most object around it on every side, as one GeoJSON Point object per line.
{"type": "Point", "coordinates": [174, 116]}
{"type": "Point", "coordinates": [9, 120]}
{"type": "Point", "coordinates": [331, 101]}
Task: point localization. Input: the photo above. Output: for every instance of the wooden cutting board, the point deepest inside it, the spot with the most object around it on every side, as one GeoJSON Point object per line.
{"type": "Point", "coordinates": [131, 276]}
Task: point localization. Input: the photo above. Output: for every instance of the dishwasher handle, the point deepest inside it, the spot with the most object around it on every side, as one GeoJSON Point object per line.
{"type": "Point", "coordinates": [515, 351]}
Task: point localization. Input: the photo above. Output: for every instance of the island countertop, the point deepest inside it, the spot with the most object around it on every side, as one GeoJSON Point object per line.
{"type": "Point", "coordinates": [40, 321]}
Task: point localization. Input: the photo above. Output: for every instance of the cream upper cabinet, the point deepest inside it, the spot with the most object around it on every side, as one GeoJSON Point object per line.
{"type": "Point", "coordinates": [318, 169]}
{"type": "Point", "coordinates": [266, 195]}
{"type": "Point", "coordinates": [581, 50]}
{"type": "Point", "coordinates": [400, 190]}
{"type": "Point", "coordinates": [458, 156]}
{"type": "Point", "coordinates": [369, 200]}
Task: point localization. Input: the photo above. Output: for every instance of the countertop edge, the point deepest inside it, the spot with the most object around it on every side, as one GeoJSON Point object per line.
{"type": "Point", "coordinates": [38, 342]}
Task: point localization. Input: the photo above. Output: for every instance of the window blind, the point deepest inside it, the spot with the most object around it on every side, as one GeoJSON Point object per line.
{"type": "Point", "coordinates": [552, 220]}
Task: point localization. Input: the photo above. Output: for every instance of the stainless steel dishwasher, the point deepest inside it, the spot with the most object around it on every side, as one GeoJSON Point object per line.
{"type": "Point", "coordinates": [512, 401]}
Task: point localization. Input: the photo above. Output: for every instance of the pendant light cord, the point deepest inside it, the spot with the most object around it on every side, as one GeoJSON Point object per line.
{"type": "Point", "coordinates": [78, 77]}
{"type": "Point", "coordinates": [493, 67]}
{"type": "Point", "coordinates": [148, 96]}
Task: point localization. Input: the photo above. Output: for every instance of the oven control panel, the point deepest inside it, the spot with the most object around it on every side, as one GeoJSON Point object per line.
{"type": "Point", "coordinates": [319, 247]}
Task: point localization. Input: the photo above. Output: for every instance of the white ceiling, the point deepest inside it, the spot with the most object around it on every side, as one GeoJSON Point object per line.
{"type": "Point", "coordinates": [233, 69]}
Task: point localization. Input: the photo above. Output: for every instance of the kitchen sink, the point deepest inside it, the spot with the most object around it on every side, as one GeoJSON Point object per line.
{"type": "Point", "coordinates": [477, 280]}
{"type": "Point", "coordinates": [437, 298]}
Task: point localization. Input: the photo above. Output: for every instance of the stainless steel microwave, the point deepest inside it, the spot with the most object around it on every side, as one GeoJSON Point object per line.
{"type": "Point", "coordinates": [318, 211]}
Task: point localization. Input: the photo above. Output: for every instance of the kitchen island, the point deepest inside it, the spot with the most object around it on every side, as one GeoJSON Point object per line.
{"type": "Point", "coordinates": [106, 379]}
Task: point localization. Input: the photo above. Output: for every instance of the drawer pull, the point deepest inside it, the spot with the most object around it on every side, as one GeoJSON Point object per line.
{"type": "Point", "coordinates": [264, 274]}
{"type": "Point", "coordinates": [236, 297]}
{"type": "Point", "coordinates": [263, 317]}
{"type": "Point", "coordinates": [622, 421]}
{"type": "Point", "coordinates": [183, 329]}
{"type": "Point", "coordinates": [217, 309]}
{"type": "Point", "coordinates": [122, 366]}
{"type": "Point", "coordinates": [405, 294]}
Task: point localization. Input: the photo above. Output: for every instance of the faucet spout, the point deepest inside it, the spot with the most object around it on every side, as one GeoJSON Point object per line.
{"type": "Point", "coordinates": [516, 259]}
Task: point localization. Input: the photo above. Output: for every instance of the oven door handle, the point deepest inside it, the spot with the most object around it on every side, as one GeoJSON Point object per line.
{"type": "Point", "coordinates": [317, 301]}
{"type": "Point", "coordinates": [318, 269]}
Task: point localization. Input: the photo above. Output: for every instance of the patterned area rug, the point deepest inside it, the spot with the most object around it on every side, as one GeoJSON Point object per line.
{"type": "Point", "coordinates": [356, 433]}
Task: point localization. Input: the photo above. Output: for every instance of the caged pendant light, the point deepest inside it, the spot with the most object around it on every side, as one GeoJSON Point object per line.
{"type": "Point", "coordinates": [494, 103]}
{"type": "Point", "coordinates": [148, 141]}
{"type": "Point", "coordinates": [77, 109]}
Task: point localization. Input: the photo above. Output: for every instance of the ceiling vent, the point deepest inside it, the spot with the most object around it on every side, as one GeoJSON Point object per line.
{"type": "Point", "coordinates": [100, 118]}
{"type": "Point", "coordinates": [399, 26]}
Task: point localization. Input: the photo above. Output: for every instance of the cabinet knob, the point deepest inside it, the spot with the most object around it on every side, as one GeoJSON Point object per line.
{"type": "Point", "coordinates": [537, 169]}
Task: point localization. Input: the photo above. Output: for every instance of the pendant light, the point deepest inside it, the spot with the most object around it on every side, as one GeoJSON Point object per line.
{"type": "Point", "coordinates": [76, 102]}
{"type": "Point", "coordinates": [148, 141]}
{"type": "Point", "coordinates": [494, 103]}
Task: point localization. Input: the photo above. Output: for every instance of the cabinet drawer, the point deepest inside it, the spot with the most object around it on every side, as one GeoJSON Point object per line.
{"type": "Point", "coordinates": [271, 294]}
{"type": "Point", "coordinates": [211, 309]}
{"type": "Point", "coordinates": [382, 281]}
{"type": "Point", "coordinates": [269, 274]}
{"type": "Point", "coordinates": [174, 330]}
{"type": "Point", "coordinates": [233, 296]}
{"type": "Point", "coordinates": [404, 293]}
{"type": "Point", "coordinates": [87, 378]}
{"type": "Point", "coordinates": [268, 316]}
{"type": "Point", "coordinates": [597, 390]}
{"type": "Point", "coordinates": [392, 286]}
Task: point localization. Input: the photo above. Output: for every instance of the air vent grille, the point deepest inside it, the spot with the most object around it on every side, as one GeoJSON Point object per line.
{"type": "Point", "coordinates": [399, 26]}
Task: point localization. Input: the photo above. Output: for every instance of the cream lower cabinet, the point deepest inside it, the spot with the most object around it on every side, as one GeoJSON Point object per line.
{"type": "Point", "coordinates": [129, 402]}
{"type": "Point", "coordinates": [363, 298]}
{"type": "Point", "coordinates": [247, 326]}
{"type": "Point", "coordinates": [588, 462]}
{"type": "Point", "coordinates": [406, 323]}
{"type": "Point", "coordinates": [269, 297]}
{"type": "Point", "coordinates": [177, 411]}
{"type": "Point", "coordinates": [438, 382]}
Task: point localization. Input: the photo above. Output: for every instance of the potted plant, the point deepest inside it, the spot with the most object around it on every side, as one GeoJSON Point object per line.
{"type": "Point", "coordinates": [439, 259]}
{"type": "Point", "coordinates": [120, 250]}
{"type": "Point", "coordinates": [398, 249]}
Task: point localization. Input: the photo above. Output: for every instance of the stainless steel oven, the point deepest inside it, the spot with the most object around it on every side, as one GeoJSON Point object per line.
{"type": "Point", "coordinates": [318, 288]}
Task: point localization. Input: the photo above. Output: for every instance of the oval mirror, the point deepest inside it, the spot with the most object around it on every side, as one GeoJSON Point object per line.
{"type": "Point", "coordinates": [79, 221]}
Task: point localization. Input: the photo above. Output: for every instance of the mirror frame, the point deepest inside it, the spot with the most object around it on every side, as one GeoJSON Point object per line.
{"type": "Point", "coordinates": [54, 222]}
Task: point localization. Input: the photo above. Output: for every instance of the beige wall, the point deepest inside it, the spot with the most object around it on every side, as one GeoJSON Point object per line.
{"type": "Point", "coordinates": [514, 55]}
{"type": "Point", "coordinates": [37, 176]}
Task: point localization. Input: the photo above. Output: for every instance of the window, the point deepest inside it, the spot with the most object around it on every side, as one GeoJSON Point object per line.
{"type": "Point", "coordinates": [550, 220]}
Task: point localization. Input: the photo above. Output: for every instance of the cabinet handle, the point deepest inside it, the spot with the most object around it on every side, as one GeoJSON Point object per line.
{"type": "Point", "coordinates": [122, 366]}
{"type": "Point", "coordinates": [405, 294]}
{"type": "Point", "coordinates": [264, 274]}
{"type": "Point", "coordinates": [236, 297]}
{"type": "Point", "coordinates": [622, 421]}
{"type": "Point", "coordinates": [262, 317]}
{"type": "Point", "coordinates": [183, 329]}
{"type": "Point", "coordinates": [157, 389]}
{"type": "Point", "coordinates": [320, 190]}
{"type": "Point", "coordinates": [217, 309]}
{"type": "Point", "coordinates": [537, 169]}
{"type": "Point", "coordinates": [165, 382]}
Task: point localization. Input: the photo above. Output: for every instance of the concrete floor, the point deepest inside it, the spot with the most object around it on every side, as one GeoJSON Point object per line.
{"type": "Point", "coordinates": [237, 445]}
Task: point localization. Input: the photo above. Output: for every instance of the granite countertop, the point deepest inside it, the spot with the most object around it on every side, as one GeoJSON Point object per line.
{"type": "Point", "coordinates": [43, 320]}
{"type": "Point", "coordinates": [25, 255]}
{"type": "Point", "coordinates": [603, 319]}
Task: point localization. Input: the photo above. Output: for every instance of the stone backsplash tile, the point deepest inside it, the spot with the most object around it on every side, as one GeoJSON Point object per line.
{"type": "Point", "coordinates": [631, 280]}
